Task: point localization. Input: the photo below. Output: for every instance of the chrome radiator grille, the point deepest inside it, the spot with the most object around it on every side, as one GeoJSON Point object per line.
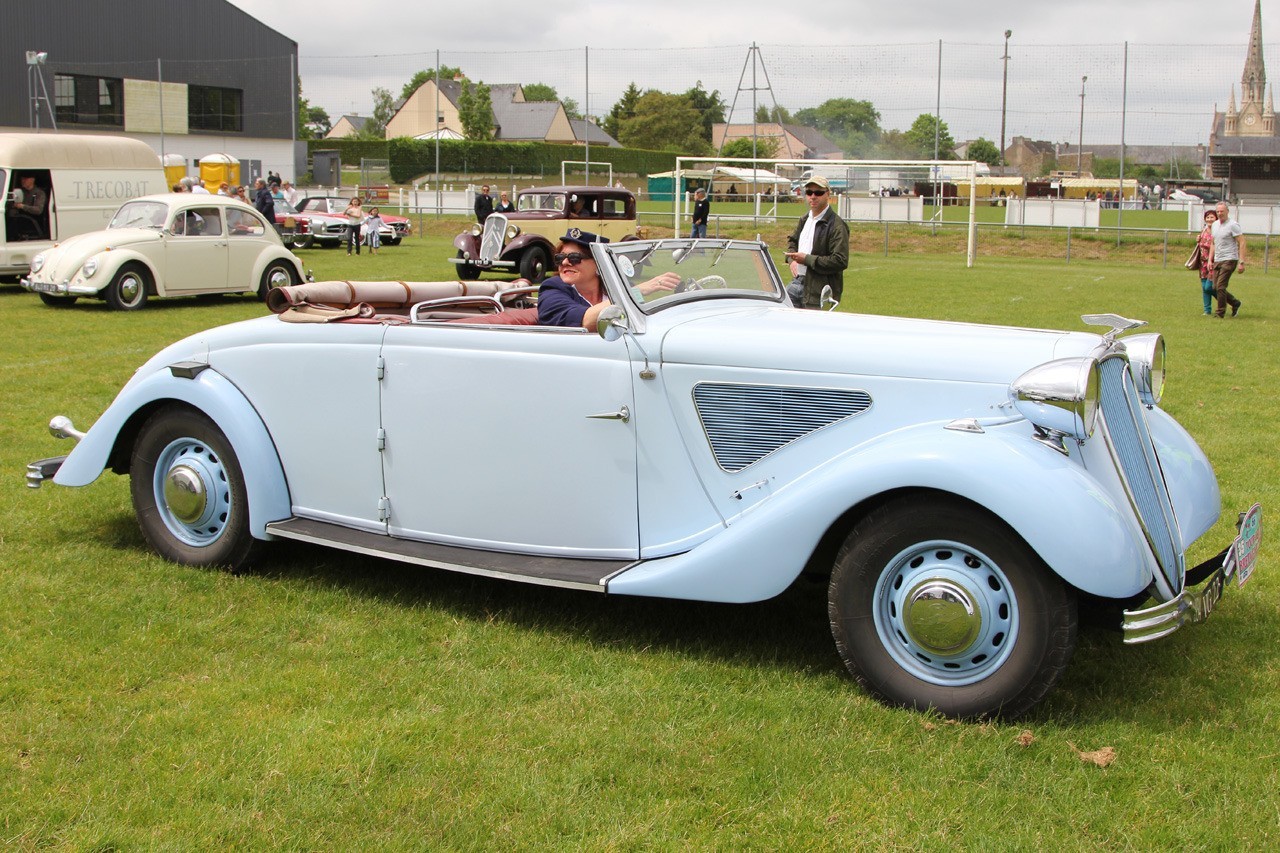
{"type": "Point", "coordinates": [745, 423]}
{"type": "Point", "coordinates": [493, 237]}
{"type": "Point", "coordinates": [1126, 432]}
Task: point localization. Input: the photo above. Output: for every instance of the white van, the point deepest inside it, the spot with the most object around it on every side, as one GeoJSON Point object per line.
{"type": "Point", "coordinates": [84, 179]}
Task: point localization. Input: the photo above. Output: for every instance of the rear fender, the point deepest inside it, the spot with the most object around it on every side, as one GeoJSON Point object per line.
{"type": "Point", "coordinates": [1051, 501]}
{"type": "Point", "coordinates": [213, 395]}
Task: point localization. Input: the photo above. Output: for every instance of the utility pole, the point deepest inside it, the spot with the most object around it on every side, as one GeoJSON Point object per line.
{"type": "Point", "coordinates": [1080, 146]}
{"type": "Point", "coordinates": [1004, 94]}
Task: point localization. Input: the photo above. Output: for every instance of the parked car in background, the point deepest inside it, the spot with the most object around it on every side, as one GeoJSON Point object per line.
{"type": "Point", "coordinates": [522, 242]}
{"type": "Point", "coordinates": [175, 244]}
{"type": "Point", "coordinates": [293, 227]}
{"type": "Point", "coordinates": [395, 228]}
{"type": "Point", "coordinates": [962, 490]}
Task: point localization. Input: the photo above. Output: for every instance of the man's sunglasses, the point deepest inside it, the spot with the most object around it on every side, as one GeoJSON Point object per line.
{"type": "Point", "coordinates": [574, 258]}
{"type": "Point", "coordinates": [815, 192]}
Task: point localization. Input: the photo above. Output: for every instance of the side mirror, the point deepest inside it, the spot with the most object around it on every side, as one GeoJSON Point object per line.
{"type": "Point", "coordinates": [611, 323]}
{"type": "Point", "coordinates": [827, 300]}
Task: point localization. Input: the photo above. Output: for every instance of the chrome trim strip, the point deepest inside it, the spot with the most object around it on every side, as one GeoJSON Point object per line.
{"type": "Point", "coordinates": [43, 469]}
{"type": "Point", "coordinates": [1187, 608]}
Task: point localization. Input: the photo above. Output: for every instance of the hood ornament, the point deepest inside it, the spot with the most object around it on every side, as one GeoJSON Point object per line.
{"type": "Point", "coordinates": [1116, 323]}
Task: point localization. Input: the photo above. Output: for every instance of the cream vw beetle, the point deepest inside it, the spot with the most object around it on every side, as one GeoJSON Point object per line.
{"type": "Point", "coordinates": [176, 244]}
{"type": "Point", "coordinates": [964, 489]}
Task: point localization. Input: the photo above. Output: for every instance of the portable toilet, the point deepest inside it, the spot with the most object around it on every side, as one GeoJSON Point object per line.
{"type": "Point", "coordinates": [216, 168]}
{"type": "Point", "coordinates": [175, 169]}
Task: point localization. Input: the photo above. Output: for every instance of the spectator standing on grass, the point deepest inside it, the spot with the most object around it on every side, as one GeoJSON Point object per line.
{"type": "Point", "coordinates": [290, 193]}
{"type": "Point", "coordinates": [372, 230]}
{"type": "Point", "coordinates": [1204, 245]}
{"type": "Point", "coordinates": [1228, 256]}
{"type": "Point", "coordinates": [818, 249]}
{"type": "Point", "coordinates": [355, 218]}
{"type": "Point", "coordinates": [484, 204]}
{"type": "Point", "coordinates": [701, 213]}
{"type": "Point", "coordinates": [505, 205]}
{"type": "Point", "coordinates": [262, 200]}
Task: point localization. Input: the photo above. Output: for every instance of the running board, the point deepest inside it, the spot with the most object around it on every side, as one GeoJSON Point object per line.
{"type": "Point", "coordinates": [590, 575]}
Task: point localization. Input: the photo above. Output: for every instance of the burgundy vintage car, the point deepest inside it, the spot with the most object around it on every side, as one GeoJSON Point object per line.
{"type": "Point", "coordinates": [522, 242]}
{"type": "Point", "coordinates": [395, 228]}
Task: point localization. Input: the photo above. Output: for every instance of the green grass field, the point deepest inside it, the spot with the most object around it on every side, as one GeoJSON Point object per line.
{"type": "Point", "coordinates": [329, 701]}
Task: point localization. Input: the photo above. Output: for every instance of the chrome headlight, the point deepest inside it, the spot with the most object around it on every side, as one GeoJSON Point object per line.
{"type": "Point", "coordinates": [477, 230]}
{"type": "Point", "coordinates": [1146, 363]}
{"type": "Point", "coordinates": [90, 267]}
{"type": "Point", "coordinates": [1060, 396]}
{"type": "Point", "coordinates": [37, 263]}
{"type": "Point", "coordinates": [513, 231]}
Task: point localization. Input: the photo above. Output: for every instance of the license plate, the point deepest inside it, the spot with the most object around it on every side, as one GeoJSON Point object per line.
{"type": "Point", "coordinates": [1247, 543]}
{"type": "Point", "coordinates": [45, 287]}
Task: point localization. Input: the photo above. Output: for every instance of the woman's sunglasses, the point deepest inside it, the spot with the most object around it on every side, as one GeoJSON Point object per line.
{"type": "Point", "coordinates": [574, 258]}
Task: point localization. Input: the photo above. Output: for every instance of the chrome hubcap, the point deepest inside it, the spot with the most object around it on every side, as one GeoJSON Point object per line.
{"type": "Point", "coordinates": [278, 278]}
{"type": "Point", "coordinates": [941, 617]}
{"type": "Point", "coordinates": [185, 494]}
{"type": "Point", "coordinates": [130, 287]}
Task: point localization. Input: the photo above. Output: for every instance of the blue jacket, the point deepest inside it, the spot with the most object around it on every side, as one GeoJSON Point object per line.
{"type": "Point", "coordinates": [559, 304]}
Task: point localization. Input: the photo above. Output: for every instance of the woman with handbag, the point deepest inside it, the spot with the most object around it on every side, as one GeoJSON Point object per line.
{"type": "Point", "coordinates": [1204, 251]}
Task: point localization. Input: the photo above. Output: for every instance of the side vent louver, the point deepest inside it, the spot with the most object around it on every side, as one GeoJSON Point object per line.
{"type": "Point", "coordinates": [745, 423]}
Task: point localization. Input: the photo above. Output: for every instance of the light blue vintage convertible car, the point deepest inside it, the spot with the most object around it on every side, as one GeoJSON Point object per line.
{"type": "Point", "coordinates": [962, 487]}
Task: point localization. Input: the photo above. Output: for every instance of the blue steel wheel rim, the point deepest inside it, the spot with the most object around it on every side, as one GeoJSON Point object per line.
{"type": "Point", "coordinates": [193, 463]}
{"type": "Point", "coordinates": [952, 649]}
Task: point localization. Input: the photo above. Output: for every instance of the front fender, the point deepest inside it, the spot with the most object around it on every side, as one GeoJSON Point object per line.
{"type": "Point", "coordinates": [1193, 487]}
{"type": "Point", "coordinates": [215, 396]}
{"type": "Point", "coordinates": [517, 247]}
{"type": "Point", "coordinates": [109, 264]}
{"type": "Point", "coordinates": [466, 242]}
{"type": "Point", "coordinates": [1051, 501]}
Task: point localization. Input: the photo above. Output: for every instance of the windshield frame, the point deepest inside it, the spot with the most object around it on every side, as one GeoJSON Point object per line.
{"type": "Point", "coordinates": [711, 251]}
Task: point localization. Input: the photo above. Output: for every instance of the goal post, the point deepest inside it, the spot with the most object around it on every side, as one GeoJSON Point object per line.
{"type": "Point", "coordinates": [908, 191]}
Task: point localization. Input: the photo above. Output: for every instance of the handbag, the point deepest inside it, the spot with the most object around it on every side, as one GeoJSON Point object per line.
{"type": "Point", "coordinates": [1193, 262]}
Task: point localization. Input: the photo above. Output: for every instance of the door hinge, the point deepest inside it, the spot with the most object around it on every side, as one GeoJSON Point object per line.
{"type": "Point", "coordinates": [382, 439]}
{"type": "Point", "coordinates": [382, 368]}
{"type": "Point", "coordinates": [384, 508]}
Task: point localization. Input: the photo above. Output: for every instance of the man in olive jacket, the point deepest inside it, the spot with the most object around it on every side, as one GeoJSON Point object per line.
{"type": "Point", "coordinates": [818, 250]}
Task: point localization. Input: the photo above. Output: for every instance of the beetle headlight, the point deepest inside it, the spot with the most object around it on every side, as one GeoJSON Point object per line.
{"type": "Point", "coordinates": [477, 230]}
{"type": "Point", "coordinates": [90, 267]}
{"type": "Point", "coordinates": [37, 263]}
{"type": "Point", "coordinates": [513, 231]}
{"type": "Point", "coordinates": [1060, 396]}
{"type": "Point", "coordinates": [1146, 363]}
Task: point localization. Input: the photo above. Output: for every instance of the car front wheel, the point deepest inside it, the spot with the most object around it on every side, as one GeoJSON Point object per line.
{"type": "Point", "coordinates": [467, 272]}
{"type": "Point", "coordinates": [128, 290]}
{"type": "Point", "coordinates": [934, 603]}
{"type": "Point", "coordinates": [57, 301]}
{"type": "Point", "coordinates": [188, 491]}
{"type": "Point", "coordinates": [277, 274]}
{"type": "Point", "coordinates": [534, 264]}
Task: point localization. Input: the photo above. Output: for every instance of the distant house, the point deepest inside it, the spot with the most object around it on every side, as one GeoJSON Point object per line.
{"type": "Point", "coordinates": [346, 126]}
{"type": "Point", "coordinates": [514, 118]}
{"type": "Point", "coordinates": [588, 131]}
{"type": "Point", "coordinates": [1139, 155]}
{"type": "Point", "coordinates": [1029, 157]}
{"type": "Point", "coordinates": [794, 141]}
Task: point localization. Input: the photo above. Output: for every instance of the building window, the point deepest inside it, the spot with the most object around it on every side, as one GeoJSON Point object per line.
{"type": "Point", "coordinates": [79, 99]}
{"type": "Point", "coordinates": [215, 109]}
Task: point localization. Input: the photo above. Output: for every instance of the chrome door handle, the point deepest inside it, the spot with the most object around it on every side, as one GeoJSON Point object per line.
{"type": "Point", "coordinates": [623, 414]}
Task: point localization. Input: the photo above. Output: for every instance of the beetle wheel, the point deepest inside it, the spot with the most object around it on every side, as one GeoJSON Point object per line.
{"type": "Point", "coordinates": [277, 274]}
{"type": "Point", "coordinates": [57, 301]}
{"type": "Point", "coordinates": [936, 604]}
{"type": "Point", "coordinates": [128, 290]}
{"type": "Point", "coordinates": [188, 491]}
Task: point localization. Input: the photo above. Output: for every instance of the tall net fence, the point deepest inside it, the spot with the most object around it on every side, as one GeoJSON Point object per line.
{"type": "Point", "coordinates": [1157, 94]}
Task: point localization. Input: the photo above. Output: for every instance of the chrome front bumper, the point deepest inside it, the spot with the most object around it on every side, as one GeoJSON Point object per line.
{"type": "Point", "coordinates": [1210, 581]}
{"type": "Point", "coordinates": [56, 289]}
{"type": "Point", "coordinates": [484, 265]}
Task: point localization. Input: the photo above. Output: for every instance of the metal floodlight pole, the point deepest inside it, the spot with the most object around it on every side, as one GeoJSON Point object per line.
{"type": "Point", "coordinates": [35, 87]}
{"type": "Point", "coordinates": [1004, 94]}
{"type": "Point", "coordinates": [1080, 145]}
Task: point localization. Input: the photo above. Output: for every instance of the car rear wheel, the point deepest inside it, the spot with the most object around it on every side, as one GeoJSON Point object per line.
{"type": "Point", "coordinates": [467, 272]}
{"type": "Point", "coordinates": [277, 274]}
{"type": "Point", "coordinates": [534, 264]}
{"type": "Point", "coordinates": [188, 491]}
{"type": "Point", "coordinates": [298, 241]}
{"type": "Point", "coordinates": [128, 290]}
{"type": "Point", "coordinates": [936, 604]}
{"type": "Point", "coordinates": [57, 301]}
{"type": "Point", "coordinates": [393, 241]}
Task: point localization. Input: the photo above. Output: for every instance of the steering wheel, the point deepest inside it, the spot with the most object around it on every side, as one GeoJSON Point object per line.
{"type": "Point", "coordinates": [702, 283]}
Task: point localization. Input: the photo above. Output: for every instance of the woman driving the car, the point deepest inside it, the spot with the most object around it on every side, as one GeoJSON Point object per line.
{"type": "Point", "coordinates": [575, 296]}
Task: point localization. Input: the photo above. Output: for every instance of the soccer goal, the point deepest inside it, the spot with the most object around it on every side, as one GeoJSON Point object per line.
{"type": "Point", "coordinates": [924, 192]}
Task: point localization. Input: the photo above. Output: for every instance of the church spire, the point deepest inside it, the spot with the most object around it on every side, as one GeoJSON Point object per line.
{"type": "Point", "coordinates": [1253, 82]}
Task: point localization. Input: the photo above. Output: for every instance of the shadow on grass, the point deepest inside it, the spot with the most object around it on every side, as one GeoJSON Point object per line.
{"type": "Point", "coordinates": [1194, 675]}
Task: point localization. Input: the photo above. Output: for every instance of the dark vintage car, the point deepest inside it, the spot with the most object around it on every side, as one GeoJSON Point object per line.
{"type": "Point", "coordinates": [522, 242]}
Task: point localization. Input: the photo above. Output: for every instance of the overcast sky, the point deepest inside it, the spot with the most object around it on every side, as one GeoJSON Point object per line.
{"type": "Point", "coordinates": [346, 48]}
